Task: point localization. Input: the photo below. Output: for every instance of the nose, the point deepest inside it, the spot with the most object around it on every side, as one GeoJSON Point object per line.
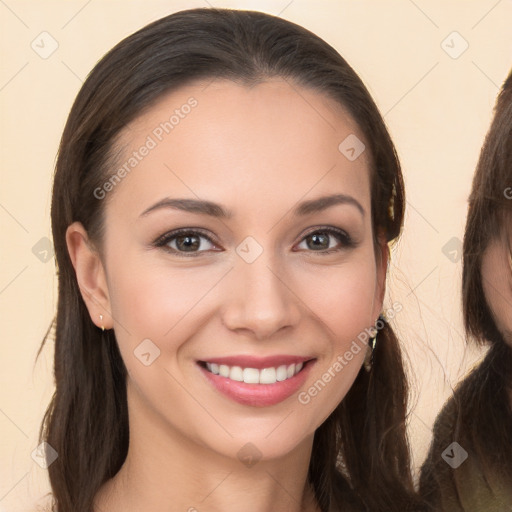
{"type": "Point", "coordinates": [260, 299]}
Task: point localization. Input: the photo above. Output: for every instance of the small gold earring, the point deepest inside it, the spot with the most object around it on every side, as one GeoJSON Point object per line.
{"type": "Point", "coordinates": [101, 320]}
{"type": "Point", "coordinates": [368, 360]}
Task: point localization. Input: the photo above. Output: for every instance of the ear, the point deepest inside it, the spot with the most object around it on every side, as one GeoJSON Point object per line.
{"type": "Point", "coordinates": [90, 274]}
{"type": "Point", "coordinates": [382, 268]}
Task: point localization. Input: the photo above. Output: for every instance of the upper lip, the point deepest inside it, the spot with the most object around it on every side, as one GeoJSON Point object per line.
{"type": "Point", "coordinates": [258, 362]}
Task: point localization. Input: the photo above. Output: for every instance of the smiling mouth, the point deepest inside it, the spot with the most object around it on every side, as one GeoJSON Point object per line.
{"type": "Point", "coordinates": [269, 375]}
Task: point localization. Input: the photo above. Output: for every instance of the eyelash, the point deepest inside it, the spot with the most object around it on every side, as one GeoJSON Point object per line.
{"type": "Point", "coordinates": [161, 242]}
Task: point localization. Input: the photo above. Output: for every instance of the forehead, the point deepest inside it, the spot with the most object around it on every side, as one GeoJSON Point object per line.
{"type": "Point", "coordinates": [274, 142]}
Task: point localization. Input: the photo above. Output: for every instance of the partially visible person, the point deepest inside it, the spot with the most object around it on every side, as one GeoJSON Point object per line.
{"type": "Point", "coordinates": [469, 466]}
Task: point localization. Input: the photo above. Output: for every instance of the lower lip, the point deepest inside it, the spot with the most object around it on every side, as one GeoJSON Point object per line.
{"type": "Point", "coordinates": [258, 395]}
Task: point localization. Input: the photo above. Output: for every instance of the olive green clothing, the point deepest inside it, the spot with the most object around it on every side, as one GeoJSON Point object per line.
{"type": "Point", "coordinates": [450, 482]}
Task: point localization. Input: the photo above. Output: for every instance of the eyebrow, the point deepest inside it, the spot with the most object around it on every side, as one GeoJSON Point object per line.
{"type": "Point", "coordinates": [212, 209]}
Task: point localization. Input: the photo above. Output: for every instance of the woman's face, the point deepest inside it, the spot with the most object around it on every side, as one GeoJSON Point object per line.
{"type": "Point", "coordinates": [267, 274]}
{"type": "Point", "coordinates": [497, 285]}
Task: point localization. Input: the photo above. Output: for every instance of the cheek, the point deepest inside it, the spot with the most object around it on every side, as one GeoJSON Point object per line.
{"type": "Point", "coordinates": [496, 284]}
{"type": "Point", "coordinates": [156, 310]}
{"type": "Point", "coordinates": [344, 304]}
{"type": "Point", "coordinates": [343, 297]}
{"type": "Point", "coordinates": [150, 299]}
{"type": "Point", "coordinates": [501, 308]}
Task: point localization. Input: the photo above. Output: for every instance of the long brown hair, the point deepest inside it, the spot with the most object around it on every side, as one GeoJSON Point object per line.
{"type": "Point", "coordinates": [87, 420]}
{"type": "Point", "coordinates": [485, 395]}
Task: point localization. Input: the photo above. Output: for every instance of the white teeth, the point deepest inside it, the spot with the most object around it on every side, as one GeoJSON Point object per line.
{"type": "Point", "coordinates": [255, 376]}
{"type": "Point", "coordinates": [251, 376]}
{"type": "Point", "coordinates": [236, 374]}
{"type": "Point", "coordinates": [281, 373]}
{"type": "Point", "coordinates": [268, 376]}
{"type": "Point", "coordinates": [213, 367]}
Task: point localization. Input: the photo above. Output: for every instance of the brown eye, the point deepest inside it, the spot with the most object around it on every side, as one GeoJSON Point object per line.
{"type": "Point", "coordinates": [185, 241]}
{"type": "Point", "coordinates": [318, 241]}
{"type": "Point", "coordinates": [321, 241]}
{"type": "Point", "coordinates": [188, 243]}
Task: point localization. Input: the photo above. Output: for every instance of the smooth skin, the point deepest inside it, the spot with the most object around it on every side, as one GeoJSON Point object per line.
{"type": "Point", "coordinates": [497, 285]}
{"type": "Point", "coordinates": [259, 152]}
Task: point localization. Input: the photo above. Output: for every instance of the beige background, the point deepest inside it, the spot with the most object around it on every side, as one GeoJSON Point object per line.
{"type": "Point", "coordinates": [437, 107]}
